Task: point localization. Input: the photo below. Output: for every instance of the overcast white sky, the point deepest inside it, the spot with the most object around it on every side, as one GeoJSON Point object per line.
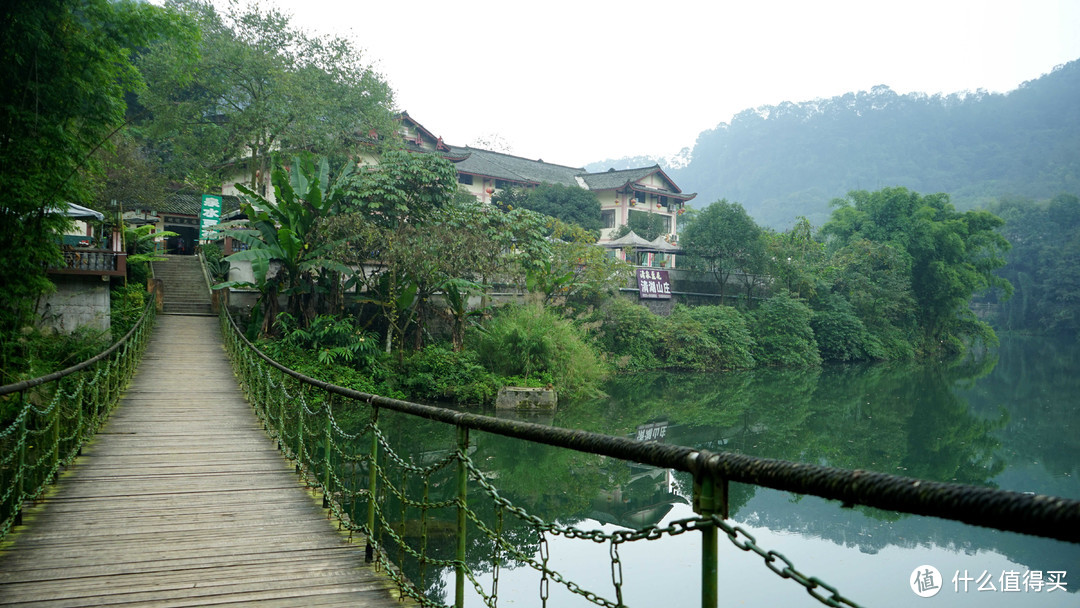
{"type": "Point", "coordinates": [578, 82]}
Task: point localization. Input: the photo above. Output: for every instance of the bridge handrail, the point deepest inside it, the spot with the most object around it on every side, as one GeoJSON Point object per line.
{"type": "Point", "coordinates": [59, 421]}
{"type": "Point", "coordinates": [1033, 514]}
{"type": "Point", "coordinates": [31, 383]}
{"type": "Point", "coordinates": [303, 420]}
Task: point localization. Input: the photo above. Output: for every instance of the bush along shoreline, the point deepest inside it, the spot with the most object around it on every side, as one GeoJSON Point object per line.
{"type": "Point", "coordinates": [533, 345]}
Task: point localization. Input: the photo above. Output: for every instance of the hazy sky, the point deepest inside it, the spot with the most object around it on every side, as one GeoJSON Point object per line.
{"type": "Point", "coordinates": [577, 82]}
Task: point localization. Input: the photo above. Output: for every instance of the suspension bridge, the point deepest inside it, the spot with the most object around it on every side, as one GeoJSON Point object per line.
{"type": "Point", "coordinates": [181, 499]}
{"type": "Point", "coordinates": [184, 467]}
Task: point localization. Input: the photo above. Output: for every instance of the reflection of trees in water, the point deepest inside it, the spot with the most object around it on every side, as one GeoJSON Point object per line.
{"type": "Point", "coordinates": [817, 518]}
{"type": "Point", "coordinates": [1037, 383]}
{"type": "Point", "coordinates": [905, 419]}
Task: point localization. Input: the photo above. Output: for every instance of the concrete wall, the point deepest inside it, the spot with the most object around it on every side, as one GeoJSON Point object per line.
{"type": "Point", "coordinates": [78, 301]}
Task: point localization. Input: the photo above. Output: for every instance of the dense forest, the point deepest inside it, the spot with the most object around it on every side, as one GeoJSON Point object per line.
{"type": "Point", "coordinates": [791, 159]}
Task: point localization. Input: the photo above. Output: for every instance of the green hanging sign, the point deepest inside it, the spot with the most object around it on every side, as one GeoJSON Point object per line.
{"type": "Point", "coordinates": [209, 216]}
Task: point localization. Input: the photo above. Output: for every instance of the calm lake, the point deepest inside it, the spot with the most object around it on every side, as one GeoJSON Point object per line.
{"type": "Point", "coordinates": [1009, 420]}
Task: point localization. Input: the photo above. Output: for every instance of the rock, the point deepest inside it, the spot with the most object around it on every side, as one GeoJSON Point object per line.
{"type": "Point", "coordinates": [522, 398]}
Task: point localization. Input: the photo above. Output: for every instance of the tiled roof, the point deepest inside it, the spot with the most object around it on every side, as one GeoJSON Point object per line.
{"type": "Point", "coordinates": [614, 180]}
{"type": "Point", "coordinates": [514, 168]}
{"type": "Point", "coordinates": [186, 203]}
{"type": "Point", "coordinates": [609, 180]}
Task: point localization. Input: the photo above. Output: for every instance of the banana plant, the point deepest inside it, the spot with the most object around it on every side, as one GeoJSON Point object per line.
{"type": "Point", "coordinates": [456, 292]}
{"type": "Point", "coordinates": [283, 247]}
{"type": "Point", "coordinates": [140, 243]}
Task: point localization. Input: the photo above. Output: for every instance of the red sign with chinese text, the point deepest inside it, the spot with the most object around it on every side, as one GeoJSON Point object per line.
{"type": "Point", "coordinates": [653, 284]}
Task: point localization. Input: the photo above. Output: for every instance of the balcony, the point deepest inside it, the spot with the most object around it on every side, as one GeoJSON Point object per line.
{"type": "Point", "coordinates": [97, 262]}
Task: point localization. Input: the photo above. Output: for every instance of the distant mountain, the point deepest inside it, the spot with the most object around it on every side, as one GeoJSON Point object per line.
{"type": "Point", "coordinates": [791, 159]}
{"type": "Point", "coordinates": [668, 163]}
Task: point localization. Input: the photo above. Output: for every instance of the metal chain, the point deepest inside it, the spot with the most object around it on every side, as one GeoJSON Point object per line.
{"type": "Point", "coordinates": [90, 393]}
{"type": "Point", "coordinates": [287, 425]}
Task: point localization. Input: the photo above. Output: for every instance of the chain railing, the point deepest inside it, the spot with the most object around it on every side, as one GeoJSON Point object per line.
{"type": "Point", "coordinates": [56, 414]}
{"type": "Point", "coordinates": [334, 436]}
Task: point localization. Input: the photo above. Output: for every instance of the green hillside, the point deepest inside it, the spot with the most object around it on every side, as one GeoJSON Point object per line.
{"type": "Point", "coordinates": [791, 159]}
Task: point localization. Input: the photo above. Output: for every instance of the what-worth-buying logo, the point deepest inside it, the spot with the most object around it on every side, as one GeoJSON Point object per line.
{"type": "Point", "coordinates": [926, 581]}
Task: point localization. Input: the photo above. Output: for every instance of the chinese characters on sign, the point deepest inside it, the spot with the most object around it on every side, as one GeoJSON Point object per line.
{"type": "Point", "coordinates": [209, 216]}
{"type": "Point", "coordinates": [653, 431]}
{"type": "Point", "coordinates": [653, 284]}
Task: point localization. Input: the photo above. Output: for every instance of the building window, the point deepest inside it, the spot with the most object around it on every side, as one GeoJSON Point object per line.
{"type": "Point", "coordinates": [663, 200]}
{"type": "Point", "coordinates": [607, 218]}
{"type": "Point", "coordinates": [639, 196]}
{"type": "Point", "coordinates": [501, 184]}
{"type": "Point", "coordinates": [464, 178]}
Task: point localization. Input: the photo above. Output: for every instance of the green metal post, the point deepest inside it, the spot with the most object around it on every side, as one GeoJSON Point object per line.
{"type": "Point", "coordinates": [463, 486]}
{"type": "Point", "coordinates": [710, 499]}
{"type": "Point", "coordinates": [300, 431]}
{"type": "Point", "coordinates": [21, 471]}
{"type": "Point", "coordinates": [56, 439]}
{"type": "Point", "coordinates": [329, 450]}
{"type": "Point", "coordinates": [373, 480]}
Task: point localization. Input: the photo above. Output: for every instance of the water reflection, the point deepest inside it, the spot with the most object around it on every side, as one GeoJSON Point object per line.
{"type": "Point", "coordinates": [1009, 424]}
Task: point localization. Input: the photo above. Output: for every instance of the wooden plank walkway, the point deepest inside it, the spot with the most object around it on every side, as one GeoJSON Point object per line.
{"type": "Point", "coordinates": [182, 500]}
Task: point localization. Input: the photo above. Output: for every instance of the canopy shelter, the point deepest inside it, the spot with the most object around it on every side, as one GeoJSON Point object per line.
{"type": "Point", "coordinates": [662, 246]}
{"type": "Point", "coordinates": [657, 252]}
{"type": "Point", "coordinates": [78, 212]}
{"type": "Point", "coordinates": [631, 239]}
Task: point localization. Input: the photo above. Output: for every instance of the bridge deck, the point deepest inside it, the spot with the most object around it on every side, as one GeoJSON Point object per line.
{"type": "Point", "coordinates": [182, 500]}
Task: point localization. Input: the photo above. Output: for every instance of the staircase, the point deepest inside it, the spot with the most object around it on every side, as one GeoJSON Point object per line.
{"type": "Point", "coordinates": [186, 292]}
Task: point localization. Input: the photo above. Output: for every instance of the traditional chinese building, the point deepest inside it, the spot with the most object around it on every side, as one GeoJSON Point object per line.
{"type": "Point", "coordinates": [483, 173]}
{"type": "Point", "coordinates": [179, 213]}
{"type": "Point", "coordinates": [645, 190]}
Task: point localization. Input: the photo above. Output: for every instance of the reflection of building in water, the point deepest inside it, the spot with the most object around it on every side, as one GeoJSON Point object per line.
{"type": "Point", "coordinates": [648, 496]}
{"type": "Point", "coordinates": [652, 431]}
{"type": "Point", "coordinates": [641, 502]}
{"type": "Point", "coordinates": [652, 492]}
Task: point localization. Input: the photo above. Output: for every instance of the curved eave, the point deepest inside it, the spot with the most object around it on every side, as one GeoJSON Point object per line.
{"type": "Point", "coordinates": [646, 190]}
{"type": "Point", "coordinates": [501, 179]}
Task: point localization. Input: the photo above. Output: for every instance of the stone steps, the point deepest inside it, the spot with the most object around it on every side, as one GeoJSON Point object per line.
{"type": "Point", "coordinates": [185, 287]}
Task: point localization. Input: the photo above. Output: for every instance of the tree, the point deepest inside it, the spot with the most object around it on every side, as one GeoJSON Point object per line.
{"type": "Point", "coordinates": [67, 66]}
{"type": "Point", "coordinates": [796, 258]}
{"type": "Point", "coordinates": [403, 188]}
{"type": "Point", "coordinates": [876, 279]}
{"type": "Point", "coordinates": [783, 334]}
{"type": "Point", "coordinates": [576, 271]}
{"type": "Point", "coordinates": [648, 226]}
{"type": "Point", "coordinates": [567, 203]}
{"type": "Point", "coordinates": [722, 240]}
{"type": "Point", "coordinates": [952, 255]}
{"type": "Point", "coordinates": [256, 85]}
{"type": "Point", "coordinates": [1042, 264]}
{"type": "Point", "coordinates": [283, 246]}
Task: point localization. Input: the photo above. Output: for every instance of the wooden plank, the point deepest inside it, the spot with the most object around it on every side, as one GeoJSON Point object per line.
{"type": "Point", "coordinates": [182, 500]}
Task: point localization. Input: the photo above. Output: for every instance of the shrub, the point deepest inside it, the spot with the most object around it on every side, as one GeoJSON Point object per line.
{"type": "Point", "coordinates": [331, 339]}
{"type": "Point", "coordinates": [727, 326]}
{"type": "Point", "coordinates": [782, 332]}
{"type": "Point", "coordinates": [438, 373]}
{"type": "Point", "coordinates": [840, 334]}
{"type": "Point", "coordinates": [370, 380]}
{"type": "Point", "coordinates": [686, 344]}
{"type": "Point", "coordinates": [126, 305]}
{"type": "Point", "coordinates": [532, 341]}
{"type": "Point", "coordinates": [628, 332]}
